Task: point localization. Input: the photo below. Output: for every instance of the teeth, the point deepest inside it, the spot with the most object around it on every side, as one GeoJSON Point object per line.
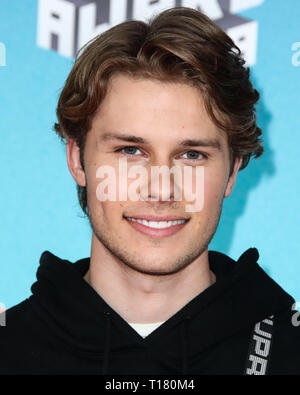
{"type": "Point", "coordinates": [157, 224]}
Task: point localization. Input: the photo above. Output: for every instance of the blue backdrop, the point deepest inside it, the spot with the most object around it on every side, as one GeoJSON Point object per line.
{"type": "Point", "coordinates": [38, 196]}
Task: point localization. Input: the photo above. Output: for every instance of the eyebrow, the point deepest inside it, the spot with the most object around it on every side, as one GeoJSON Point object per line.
{"type": "Point", "coordinates": [123, 137]}
{"type": "Point", "coordinates": [210, 143]}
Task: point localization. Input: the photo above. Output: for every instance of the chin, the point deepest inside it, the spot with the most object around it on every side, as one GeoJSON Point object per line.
{"type": "Point", "coordinates": [156, 271]}
{"type": "Point", "coordinates": [162, 268]}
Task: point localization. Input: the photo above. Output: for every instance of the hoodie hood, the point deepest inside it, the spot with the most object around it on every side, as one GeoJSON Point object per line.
{"type": "Point", "coordinates": [242, 295]}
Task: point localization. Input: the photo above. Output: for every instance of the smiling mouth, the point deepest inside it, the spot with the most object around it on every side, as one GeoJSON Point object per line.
{"type": "Point", "coordinates": [157, 228]}
{"type": "Point", "coordinates": [157, 224]}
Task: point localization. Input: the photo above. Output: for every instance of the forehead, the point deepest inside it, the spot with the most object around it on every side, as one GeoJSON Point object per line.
{"type": "Point", "coordinates": [141, 93]}
{"type": "Point", "coordinates": [147, 107]}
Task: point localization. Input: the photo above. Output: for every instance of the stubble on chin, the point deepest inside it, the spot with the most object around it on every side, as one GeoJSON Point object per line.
{"type": "Point", "coordinates": [117, 246]}
{"type": "Point", "coordinates": [133, 260]}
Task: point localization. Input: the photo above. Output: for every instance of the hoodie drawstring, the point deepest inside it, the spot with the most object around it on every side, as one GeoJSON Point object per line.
{"type": "Point", "coordinates": [184, 338]}
{"type": "Point", "coordinates": [107, 343]}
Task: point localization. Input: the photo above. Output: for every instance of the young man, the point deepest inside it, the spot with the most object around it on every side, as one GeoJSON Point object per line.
{"type": "Point", "coordinates": [152, 299]}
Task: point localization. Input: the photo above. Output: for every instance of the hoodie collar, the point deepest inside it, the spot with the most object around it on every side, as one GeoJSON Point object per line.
{"type": "Point", "coordinates": [242, 295]}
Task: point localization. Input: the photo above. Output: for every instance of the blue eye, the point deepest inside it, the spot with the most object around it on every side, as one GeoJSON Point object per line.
{"type": "Point", "coordinates": [130, 150]}
{"type": "Point", "coordinates": [194, 155]}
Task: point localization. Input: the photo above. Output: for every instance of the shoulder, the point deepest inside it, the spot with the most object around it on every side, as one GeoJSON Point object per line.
{"type": "Point", "coordinates": [15, 327]}
{"type": "Point", "coordinates": [285, 352]}
{"type": "Point", "coordinates": [15, 316]}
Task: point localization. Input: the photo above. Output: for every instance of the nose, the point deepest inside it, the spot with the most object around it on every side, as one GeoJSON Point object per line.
{"type": "Point", "coordinates": [160, 185]}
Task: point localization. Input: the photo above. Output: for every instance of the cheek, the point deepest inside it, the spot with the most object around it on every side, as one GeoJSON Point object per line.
{"type": "Point", "coordinates": [214, 187]}
{"type": "Point", "coordinates": [103, 211]}
{"type": "Point", "coordinates": [105, 214]}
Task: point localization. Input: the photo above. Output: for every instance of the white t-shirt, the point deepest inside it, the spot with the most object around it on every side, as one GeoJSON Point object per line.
{"type": "Point", "coordinates": [145, 329]}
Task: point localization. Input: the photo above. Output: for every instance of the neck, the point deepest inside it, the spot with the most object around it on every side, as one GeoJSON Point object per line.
{"type": "Point", "coordinates": [145, 298]}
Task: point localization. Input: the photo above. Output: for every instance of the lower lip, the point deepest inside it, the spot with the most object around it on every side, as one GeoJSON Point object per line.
{"type": "Point", "coordinates": [156, 233]}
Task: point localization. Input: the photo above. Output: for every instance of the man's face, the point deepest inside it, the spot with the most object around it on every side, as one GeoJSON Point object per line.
{"type": "Point", "coordinates": [154, 119]}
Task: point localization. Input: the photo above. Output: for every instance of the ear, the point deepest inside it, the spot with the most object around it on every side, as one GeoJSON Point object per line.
{"type": "Point", "coordinates": [73, 159]}
{"type": "Point", "coordinates": [232, 179]}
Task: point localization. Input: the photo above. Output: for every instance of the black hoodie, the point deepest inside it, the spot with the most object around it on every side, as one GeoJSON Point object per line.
{"type": "Point", "coordinates": [242, 324]}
